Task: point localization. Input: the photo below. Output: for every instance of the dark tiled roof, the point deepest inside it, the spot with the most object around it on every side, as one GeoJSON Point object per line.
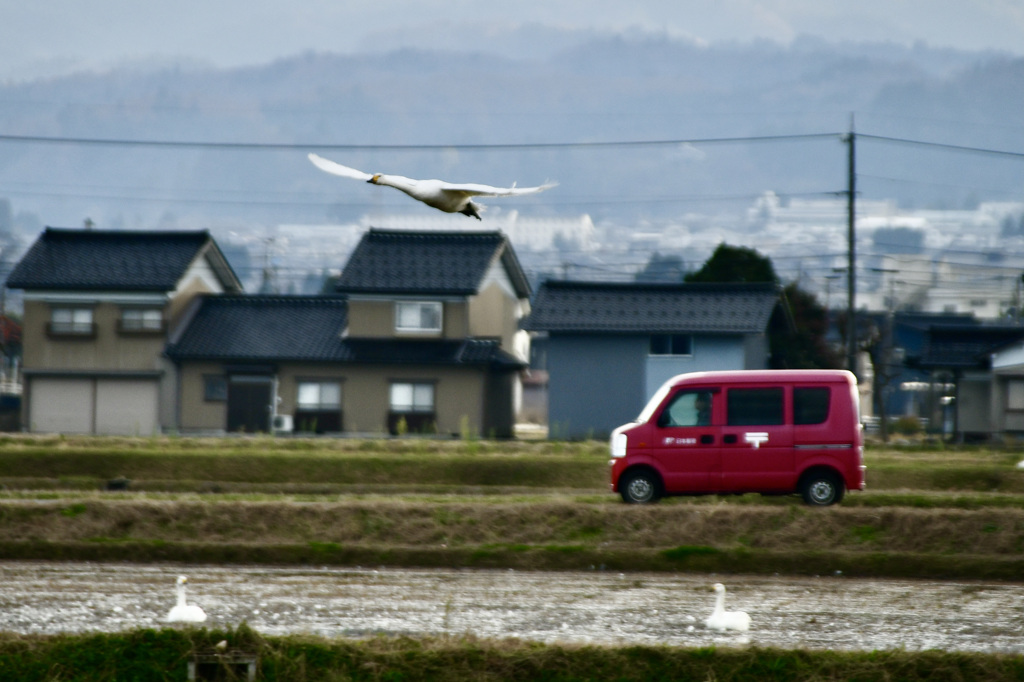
{"type": "Point", "coordinates": [264, 328]}
{"type": "Point", "coordinates": [965, 346]}
{"type": "Point", "coordinates": [652, 308]}
{"type": "Point", "coordinates": [108, 260]}
{"type": "Point", "coordinates": [309, 329]}
{"type": "Point", "coordinates": [437, 263]}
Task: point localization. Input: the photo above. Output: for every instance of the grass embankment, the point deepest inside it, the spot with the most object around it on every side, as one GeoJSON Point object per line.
{"type": "Point", "coordinates": [540, 505]}
{"type": "Point", "coordinates": [165, 655]}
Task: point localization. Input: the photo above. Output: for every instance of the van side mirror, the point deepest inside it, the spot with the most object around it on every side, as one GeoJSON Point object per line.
{"type": "Point", "coordinates": [663, 419]}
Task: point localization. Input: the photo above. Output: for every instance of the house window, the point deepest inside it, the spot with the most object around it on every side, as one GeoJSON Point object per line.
{"type": "Point", "coordinates": [215, 388]}
{"type": "Point", "coordinates": [1015, 395]}
{"type": "Point", "coordinates": [754, 406]}
{"type": "Point", "coordinates": [413, 403]}
{"type": "Point", "coordinates": [318, 407]}
{"type": "Point", "coordinates": [418, 316]}
{"type": "Point", "coordinates": [142, 320]}
{"type": "Point", "coordinates": [319, 395]}
{"type": "Point", "coordinates": [71, 321]}
{"type": "Point", "coordinates": [671, 344]}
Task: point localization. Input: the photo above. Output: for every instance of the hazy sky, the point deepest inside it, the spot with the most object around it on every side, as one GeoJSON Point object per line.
{"type": "Point", "coordinates": [56, 36]}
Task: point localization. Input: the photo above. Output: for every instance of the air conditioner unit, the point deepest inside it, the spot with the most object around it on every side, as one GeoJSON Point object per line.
{"type": "Point", "coordinates": [283, 423]}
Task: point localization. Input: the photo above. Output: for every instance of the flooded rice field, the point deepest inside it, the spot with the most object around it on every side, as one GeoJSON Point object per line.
{"type": "Point", "coordinates": [594, 607]}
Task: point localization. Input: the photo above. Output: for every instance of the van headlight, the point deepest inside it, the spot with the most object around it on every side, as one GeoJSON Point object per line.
{"type": "Point", "coordinates": [618, 445]}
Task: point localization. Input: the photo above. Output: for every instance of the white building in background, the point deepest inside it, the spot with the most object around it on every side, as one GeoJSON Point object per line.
{"type": "Point", "coordinates": [965, 263]}
{"type": "Point", "coordinates": [526, 234]}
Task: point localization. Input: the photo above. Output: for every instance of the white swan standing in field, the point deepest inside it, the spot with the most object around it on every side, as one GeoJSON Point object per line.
{"type": "Point", "coordinates": [720, 619]}
{"type": "Point", "coordinates": [183, 612]}
{"type": "Point", "coordinates": [444, 196]}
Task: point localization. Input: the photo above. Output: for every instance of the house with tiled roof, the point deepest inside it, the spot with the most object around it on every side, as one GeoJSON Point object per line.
{"type": "Point", "coordinates": [99, 307]}
{"type": "Point", "coordinates": [980, 371]}
{"type": "Point", "coordinates": [421, 335]}
{"type": "Point", "coordinates": [611, 345]}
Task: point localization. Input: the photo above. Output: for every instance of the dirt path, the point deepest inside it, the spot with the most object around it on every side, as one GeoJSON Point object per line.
{"type": "Point", "coordinates": [594, 607]}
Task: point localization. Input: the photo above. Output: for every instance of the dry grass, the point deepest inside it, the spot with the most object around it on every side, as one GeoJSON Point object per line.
{"type": "Point", "coordinates": [538, 535]}
{"type": "Point", "coordinates": [536, 504]}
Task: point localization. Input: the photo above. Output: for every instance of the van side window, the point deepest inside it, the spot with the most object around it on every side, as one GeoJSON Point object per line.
{"type": "Point", "coordinates": [810, 405]}
{"type": "Point", "coordinates": [688, 408]}
{"type": "Point", "coordinates": [754, 406]}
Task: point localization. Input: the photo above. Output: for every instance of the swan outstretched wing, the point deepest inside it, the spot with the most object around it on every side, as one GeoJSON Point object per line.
{"type": "Point", "coordinates": [476, 190]}
{"type": "Point", "coordinates": [333, 168]}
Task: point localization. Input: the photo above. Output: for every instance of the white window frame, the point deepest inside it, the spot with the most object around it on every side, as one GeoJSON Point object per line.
{"type": "Point", "coordinates": [419, 316]}
{"type": "Point", "coordinates": [71, 320]}
{"type": "Point", "coordinates": [142, 319]}
{"type": "Point", "coordinates": [314, 396]}
{"type": "Point", "coordinates": [409, 397]}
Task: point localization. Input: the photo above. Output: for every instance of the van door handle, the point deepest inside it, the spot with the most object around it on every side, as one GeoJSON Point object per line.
{"type": "Point", "coordinates": [729, 438]}
{"type": "Point", "coordinates": [707, 439]}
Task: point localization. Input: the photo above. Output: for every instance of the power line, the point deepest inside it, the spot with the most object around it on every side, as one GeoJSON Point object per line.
{"type": "Point", "coordinates": [305, 146]}
{"type": "Point", "coordinates": [941, 145]}
{"type": "Point", "coordinates": [288, 146]}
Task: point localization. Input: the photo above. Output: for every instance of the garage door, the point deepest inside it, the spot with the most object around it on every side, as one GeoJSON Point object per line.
{"type": "Point", "coordinates": [106, 406]}
{"type": "Point", "coordinates": [60, 406]}
{"type": "Point", "coordinates": [126, 407]}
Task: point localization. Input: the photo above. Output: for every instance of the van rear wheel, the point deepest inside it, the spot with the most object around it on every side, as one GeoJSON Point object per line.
{"type": "Point", "coordinates": [821, 489]}
{"type": "Point", "coordinates": [640, 487]}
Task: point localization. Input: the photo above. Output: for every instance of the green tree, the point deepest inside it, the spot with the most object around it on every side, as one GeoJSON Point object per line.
{"type": "Point", "coordinates": [797, 330]}
{"type": "Point", "coordinates": [804, 346]}
{"type": "Point", "coordinates": [735, 264]}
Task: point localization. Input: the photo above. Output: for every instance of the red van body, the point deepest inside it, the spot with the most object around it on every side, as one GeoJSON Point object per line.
{"type": "Point", "coordinates": [763, 431]}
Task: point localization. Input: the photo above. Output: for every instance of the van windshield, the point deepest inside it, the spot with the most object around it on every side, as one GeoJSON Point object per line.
{"type": "Point", "coordinates": [652, 404]}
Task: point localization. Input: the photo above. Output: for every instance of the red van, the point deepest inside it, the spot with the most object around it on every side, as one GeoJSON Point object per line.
{"type": "Point", "coordinates": [766, 431]}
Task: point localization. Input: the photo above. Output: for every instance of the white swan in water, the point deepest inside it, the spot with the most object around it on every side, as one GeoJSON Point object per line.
{"type": "Point", "coordinates": [720, 619]}
{"type": "Point", "coordinates": [444, 196]}
{"type": "Point", "coordinates": [184, 612]}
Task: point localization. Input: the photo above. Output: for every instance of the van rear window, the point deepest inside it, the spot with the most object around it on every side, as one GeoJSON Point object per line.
{"type": "Point", "coordinates": [810, 405]}
{"type": "Point", "coordinates": [754, 406]}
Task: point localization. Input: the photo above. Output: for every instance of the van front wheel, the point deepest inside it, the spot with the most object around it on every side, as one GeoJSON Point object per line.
{"type": "Point", "coordinates": [640, 487]}
{"type": "Point", "coordinates": [821, 489]}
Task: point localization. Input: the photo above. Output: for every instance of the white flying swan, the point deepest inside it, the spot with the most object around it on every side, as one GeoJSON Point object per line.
{"type": "Point", "coordinates": [184, 612]}
{"type": "Point", "coordinates": [720, 619]}
{"type": "Point", "coordinates": [449, 197]}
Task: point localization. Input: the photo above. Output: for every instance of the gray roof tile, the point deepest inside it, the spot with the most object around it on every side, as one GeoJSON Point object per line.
{"type": "Point", "coordinates": [609, 307]}
{"type": "Point", "coordinates": [309, 329]}
{"type": "Point", "coordinates": [436, 263]}
{"type": "Point", "coordinates": [965, 345]}
{"type": "Point", "coordinates": [264, 328]}
{"type": "Point", "coordinates": [63, 259]}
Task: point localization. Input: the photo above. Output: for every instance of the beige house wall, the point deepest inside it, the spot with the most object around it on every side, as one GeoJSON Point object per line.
{"type": "Point", "coordinates": [365, 394]}
{"type": "Point", "coordinates": [376, 320]}
{"type": "Point", "coordinates": [109, 350]}
{"type": "Point", "coordinates": [197, 413]}
{"type": "Point", "coordinates": [495, 314]}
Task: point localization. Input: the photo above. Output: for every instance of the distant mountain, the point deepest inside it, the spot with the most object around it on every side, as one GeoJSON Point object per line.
{"type": "Point", "coordinates": [605, 89]}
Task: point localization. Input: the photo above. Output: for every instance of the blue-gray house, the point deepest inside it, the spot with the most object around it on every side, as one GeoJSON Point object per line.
{"type": "Point", "coordinates": [611, 345]}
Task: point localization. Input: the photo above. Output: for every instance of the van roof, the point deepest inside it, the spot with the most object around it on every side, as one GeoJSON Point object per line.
{"type": "Point", "coordinates": [741, 376]}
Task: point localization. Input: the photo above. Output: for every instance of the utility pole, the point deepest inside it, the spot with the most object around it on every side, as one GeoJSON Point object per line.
{"type": "Point", "coordinates": [851, 279]}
